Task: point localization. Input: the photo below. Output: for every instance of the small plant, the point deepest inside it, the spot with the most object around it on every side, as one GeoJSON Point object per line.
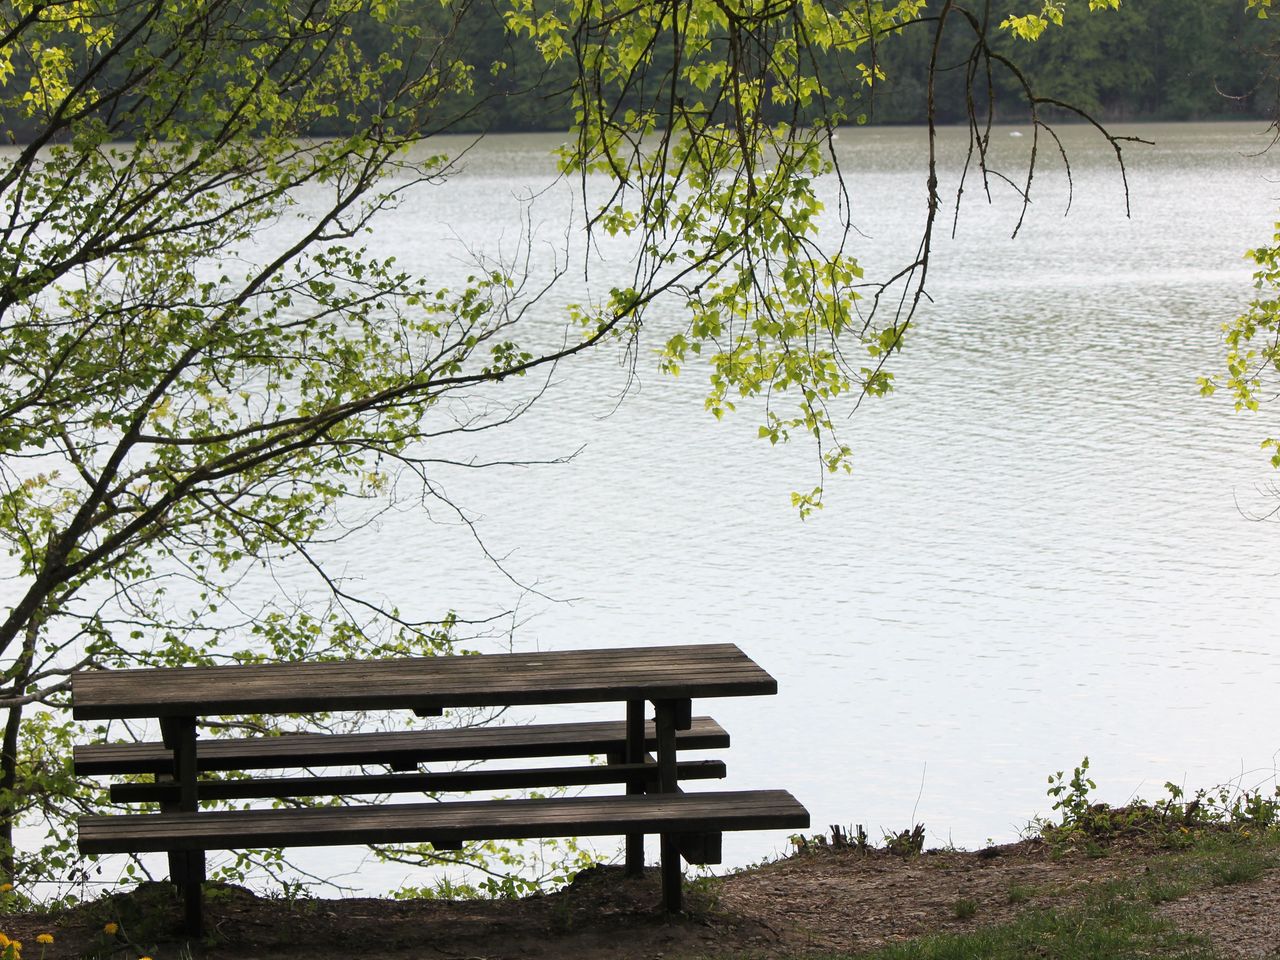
{"type": "Point", "coordinates": [841, 838]}
{"type": "Point", "coordinates": [857, 840]}
{"type": "Point", "coordinates": [965, 908]}
{"type": "Point", "coordinates": [1071, 797]}
{"type": "Point", "coordinates": [703, 893]}
{"type": "Point", "coordinates": [904, 844]}
{"type": "Point", "coordinates": [908, 843]}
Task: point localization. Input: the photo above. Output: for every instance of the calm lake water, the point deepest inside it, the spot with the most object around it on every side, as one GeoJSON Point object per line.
{"type": "Point", "coordinates": [1045, 551]}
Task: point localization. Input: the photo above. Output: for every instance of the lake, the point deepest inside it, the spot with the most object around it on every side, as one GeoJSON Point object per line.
{"type": "Point", "coordinates": [1047, 548]}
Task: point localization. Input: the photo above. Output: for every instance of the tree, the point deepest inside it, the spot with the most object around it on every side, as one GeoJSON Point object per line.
{"type": "Point", "coordinates": [181, 400]}
{"type": "Point", "coordinates": [1253, 338]}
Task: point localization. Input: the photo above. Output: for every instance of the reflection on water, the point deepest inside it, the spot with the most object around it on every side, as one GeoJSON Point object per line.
{"type": "Point", "coordinates": [1044, 551]}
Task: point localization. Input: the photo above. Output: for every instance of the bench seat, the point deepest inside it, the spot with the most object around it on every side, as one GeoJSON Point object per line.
{"type": "Point", "coordinates": [400, 749]}
{"type": "Point", "coordinates": [444, 824]}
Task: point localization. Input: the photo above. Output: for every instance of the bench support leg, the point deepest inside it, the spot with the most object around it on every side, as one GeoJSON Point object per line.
{"type": "Point", "coordinates": [668, 715]}
{"type": "Point", "coordinates": [186, 868]}
{"type": "Point", "coordinates": [192, 914]}
{"type": "Point", "coordinates": [177, 864]}
{"type": "Point", "coordinates": [672, 877]}
{"type": "Point", "coordinates": [635, 753]}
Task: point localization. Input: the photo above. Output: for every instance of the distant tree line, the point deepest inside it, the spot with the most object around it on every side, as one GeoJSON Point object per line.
{"type": "Point", "coordinates": [1151, 60]}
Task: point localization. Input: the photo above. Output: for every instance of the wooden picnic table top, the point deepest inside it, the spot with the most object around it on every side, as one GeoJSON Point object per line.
{"type": "Point", "coordinates": [422, 683]}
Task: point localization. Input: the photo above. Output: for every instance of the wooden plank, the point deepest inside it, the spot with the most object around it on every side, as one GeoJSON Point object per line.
{"type": "Point", "coordinates": [426, 683]}
{"type": "Point", "coordinates": [398, 746]}
{"type": "Point", "coordinates": [704, 848]}
{"type": "Point", "coordinates": [360, 785]}
{"type": "Point", "coordinates": [444, 822]}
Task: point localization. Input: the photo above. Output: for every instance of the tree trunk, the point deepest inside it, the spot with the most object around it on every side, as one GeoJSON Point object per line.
{"type": "Point", "coordinates": [9, 807]}
{"type": "Point", "coordinates": [8, 791]}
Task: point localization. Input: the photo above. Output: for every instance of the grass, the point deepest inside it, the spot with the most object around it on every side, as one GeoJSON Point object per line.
{"type": "Point", "coordinates": [1102, 929]}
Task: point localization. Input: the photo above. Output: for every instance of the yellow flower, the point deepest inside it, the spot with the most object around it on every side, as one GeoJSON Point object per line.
{"type": "Point", "coordinates": [44, 938]}
{"type": "Point", "coordinates": [5, 887]}
{"type": "Point", "coordinates": [144, 958]}
{"type": "Point", "coordinates": [111, 929]}
{"type": "Point", "coordinates": [4, 941]}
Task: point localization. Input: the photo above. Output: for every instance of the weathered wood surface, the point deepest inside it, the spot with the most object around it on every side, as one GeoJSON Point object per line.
{"type": "Point", "coordinates": [444, 823]}
{"type": "Point", "coordinates": [427, 683]}
{"type": "Point", "coordinates": [398, 747]}
{"type": "Point", "coordinates": [447, 781]}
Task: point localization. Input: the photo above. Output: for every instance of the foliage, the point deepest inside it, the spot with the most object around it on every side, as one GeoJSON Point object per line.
{"type": "Point", "coordinates": [181, 404]}
{"type": "Point", "coordinates": [1071, 797]}
{"type": "Point", "coordinates": [1228, 809]}
{"type": "Point", "coordinates": [499, 871]}
{"type": "Point", "coordinates": [206, 379]}
{"type": "Point", "coordinates": [1029, 26]}
{"type": "Point", "coordinates": [904, 843]}
{"type": "Point", "coordinates": [1253, 341]}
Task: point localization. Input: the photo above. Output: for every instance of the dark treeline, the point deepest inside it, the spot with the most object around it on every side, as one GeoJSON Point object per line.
{"type": "Point", "coordinates": [1151, 60]}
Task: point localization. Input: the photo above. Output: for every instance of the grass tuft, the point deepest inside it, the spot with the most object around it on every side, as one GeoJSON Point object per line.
{"type": "Point", "coordinates": [1020, 893]}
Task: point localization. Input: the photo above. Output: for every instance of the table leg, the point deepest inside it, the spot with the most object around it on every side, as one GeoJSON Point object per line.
{"type": "Point", "coordinates": [670, 715]}
{"type": "Point", "coordinates": [635, 753]}
{"type": "Point", "coordinates": [186, 868]}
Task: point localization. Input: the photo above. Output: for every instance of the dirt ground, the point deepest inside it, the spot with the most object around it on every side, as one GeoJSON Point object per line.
{"type": "Point", "coordinates": [822, 901]}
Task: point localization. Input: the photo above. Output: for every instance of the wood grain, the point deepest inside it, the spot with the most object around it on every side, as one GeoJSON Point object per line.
{"type": "Point", "coordinates": [444, 782]}
{"type": "Point", "coordinates": [444, 823]}
{"type": "Point", "coordinates": [399, 747]}
{"type": "Point", "coordinates": [426, 683]}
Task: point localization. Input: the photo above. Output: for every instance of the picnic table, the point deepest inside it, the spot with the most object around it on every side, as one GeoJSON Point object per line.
{"type": "Point", "coordinates": [668, 677]}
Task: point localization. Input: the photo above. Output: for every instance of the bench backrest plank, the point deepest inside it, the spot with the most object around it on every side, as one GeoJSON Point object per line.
{"type": "Point", "coordinates": [408, 747]}
{"type": "Point", "coordinates": [450, 781]}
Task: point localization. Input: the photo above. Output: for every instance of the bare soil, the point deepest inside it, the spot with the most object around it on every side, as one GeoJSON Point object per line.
{"type": "Point", "coordinates": [818, 902]}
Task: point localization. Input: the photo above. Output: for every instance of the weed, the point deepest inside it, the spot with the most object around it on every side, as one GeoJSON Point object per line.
{"type": "Point", "coordinates": [857, 840]}
{"type": "Point", "coordinates": [1072, 797]}
{"type": "Point", "coordinates": [702, 893]}
{"type": "Point", "coordinates": [1174, 821]}
{"type": "Point", "coordinates": [908, 843]}
{"type": "Point", "coordinates": [853, 838]}
{"type": "Point", "coordinates": [965, 908]}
